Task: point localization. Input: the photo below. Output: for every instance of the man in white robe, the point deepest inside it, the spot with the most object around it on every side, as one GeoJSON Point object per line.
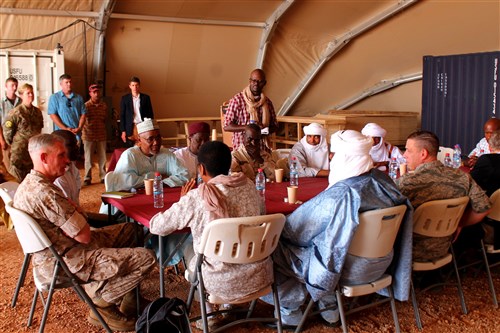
{"type": "Point", "coordinates": [198, 134]}
{"type": "Point", "coordinates": [311, 152]}
{"type": "Point", "coordinates": [382, 151]}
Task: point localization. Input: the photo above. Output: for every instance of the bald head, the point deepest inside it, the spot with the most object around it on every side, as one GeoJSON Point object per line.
{"type": "Point", "coordinates": [490, 126]}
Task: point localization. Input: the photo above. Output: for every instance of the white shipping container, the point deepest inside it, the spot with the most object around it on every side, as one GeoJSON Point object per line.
{"type": "Point", "coordinates": [40, 68]}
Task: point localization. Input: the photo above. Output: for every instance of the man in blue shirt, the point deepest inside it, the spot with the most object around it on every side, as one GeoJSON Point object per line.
{"type": "Point", "coordinates": [66, 108]}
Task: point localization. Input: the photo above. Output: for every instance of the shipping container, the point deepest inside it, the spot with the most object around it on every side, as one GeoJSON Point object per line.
{"type": "Point", "coordinates": [40, 68]}
{"type": "Point", "coordinates": [460, 92]}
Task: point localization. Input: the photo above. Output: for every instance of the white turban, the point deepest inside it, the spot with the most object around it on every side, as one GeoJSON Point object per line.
{"type": "Point", "coordinates": [314, 129]}
{"type": "Point", "coordinates": [372, 129]}
{"type": "Point", "coordinates": [147, 125]}
{"type": "Point", "coordinates": [379, 152]}
{"type": "Point", "coordinates": [351, 157]}
{"type": "Point", "coordinates": [317, 155]}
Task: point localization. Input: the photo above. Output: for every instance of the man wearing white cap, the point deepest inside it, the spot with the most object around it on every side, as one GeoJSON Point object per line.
{"type": "Point", "coordinates": [312, 253]}
{"type": "Point", "coordinates": [311, 152]}
{"type": "Point", "coordinates": [382, 151]}
{"type": "Point", "coordinates": [140, 162]}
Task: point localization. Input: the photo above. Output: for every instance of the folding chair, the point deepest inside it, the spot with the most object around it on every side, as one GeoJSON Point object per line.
{"type": "Point", "coordinates": [241, 240]}
{"type": "Point", "coordinates": [374, 238]}
{"type": "Point", "coordinates": [33, 239]}
{"type": "Point", "coordinates": [7, 191]}
{"type": "Point", "coordinates": [494, 216]}
{"type": "Point", "coordinates": [438, 218]}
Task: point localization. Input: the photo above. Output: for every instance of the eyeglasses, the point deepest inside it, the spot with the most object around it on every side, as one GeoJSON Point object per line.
{"type": "Point", "coordinates": [152, 139]}
{"type": "Point", "coordinates": [68, 103]}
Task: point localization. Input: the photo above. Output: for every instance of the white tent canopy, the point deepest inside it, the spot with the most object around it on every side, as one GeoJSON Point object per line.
{"type": "Point", "coordinates": [193, 55]}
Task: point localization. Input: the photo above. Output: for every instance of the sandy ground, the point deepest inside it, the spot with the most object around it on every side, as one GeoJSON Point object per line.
{"type": "Point", "coordinates": [440, 309]}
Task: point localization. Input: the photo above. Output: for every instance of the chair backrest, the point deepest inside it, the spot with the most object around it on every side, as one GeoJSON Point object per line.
{"type": "Point", "coordinates": [376, 232]}
{"type": "Point", "coordinates": [242, 240]}
{"type": "Point", "coordinates": [439, 218]}
{"type": "Point", "coordinates": [30, 234]}
{"type": "Point", "coordinates": [7, 191]}
{"type": "Point", "coordinates": [107, 180]}
{"type": "Point", "coordinates": [442, 153]}
{"type": "Point", "coordinates": [494, 214]}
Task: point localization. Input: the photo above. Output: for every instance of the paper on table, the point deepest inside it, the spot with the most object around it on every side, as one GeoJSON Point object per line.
{"type": "Point", "coordinates": [116, 195]}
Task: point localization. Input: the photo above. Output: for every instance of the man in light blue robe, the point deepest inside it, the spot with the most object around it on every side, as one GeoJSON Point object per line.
{"type": "Point", "coordinates": [141, 162]}
{"type": "Point", "coordinates": [312, 254]}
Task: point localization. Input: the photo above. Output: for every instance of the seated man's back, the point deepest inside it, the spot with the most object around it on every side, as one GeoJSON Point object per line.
{"type": "Point", "coordinates": [431, 180]}
{"type": "Point", "coordinates": [219, 196]}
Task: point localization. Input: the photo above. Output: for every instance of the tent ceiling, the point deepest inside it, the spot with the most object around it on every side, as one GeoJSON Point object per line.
{"type": "Point", "coordinates": [205, 60]}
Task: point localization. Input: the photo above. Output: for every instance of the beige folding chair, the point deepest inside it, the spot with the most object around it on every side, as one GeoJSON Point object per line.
{"type": "Point", "coordinates": [241, 240]}
{"type": "Point", "coordinates": [7, 191]}
{"type": "Point", "coordinates": [374, 238]}
{"type": "Point", "coordinates": [33, 239]}
{"type": "Point", "coordinates": [438, 218]}
{"type": "Point", "coordinates": [494, 215]}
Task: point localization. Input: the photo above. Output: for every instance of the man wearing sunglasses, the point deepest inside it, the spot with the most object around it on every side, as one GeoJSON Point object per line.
{"type": "Point", "coordinates": [66, 108]}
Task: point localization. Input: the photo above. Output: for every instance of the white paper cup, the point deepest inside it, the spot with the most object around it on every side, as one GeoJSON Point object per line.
{"type": "Point", "coordinates": [148, 186]}
{"type": "Point", "coordinates": [292, 194]}
{"type": "Point", "coordinates": [279, 175]}
{"type": "Point", "coordinates": [402, 169]}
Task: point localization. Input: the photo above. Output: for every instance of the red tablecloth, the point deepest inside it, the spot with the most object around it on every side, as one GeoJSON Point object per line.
{"type": "Point", "coordinates": [140, 206]}
{"type": "Point", "coordinates": [276, 192]}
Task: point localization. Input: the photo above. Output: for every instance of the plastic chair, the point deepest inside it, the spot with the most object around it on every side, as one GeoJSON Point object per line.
{"type": "Point", "coordinates": [442, 153]}
{"type": "Point", "coordinates": [7, 191]}
{"type": "Point", "coordinates": [438, 218]}
{"type": "Point", "coordinates": [374, 238]}
{"type": "Point", "coordinates": [494, 216]}
{"type": "Point", "coordinates": [241, 240]}
{"type": "Point", "coordinates": [33, 239]}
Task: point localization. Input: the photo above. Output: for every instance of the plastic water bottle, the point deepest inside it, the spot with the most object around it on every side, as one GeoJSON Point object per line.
{"type": "Point", "coordinates": [157, 191]}
{"type": "Point", "coordinates": [260, 185]}
{"type": "Point", "coordinates": [447, 160]}
{"type": "Point", "coordinates": [393, 168]}
{"type": "Point", "coordinates": [457, 156]}
{"type": "Point", "coordinates": [294, 174]}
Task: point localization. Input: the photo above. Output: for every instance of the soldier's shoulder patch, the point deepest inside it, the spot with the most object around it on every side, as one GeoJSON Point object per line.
{"type": "Point", "coordinates": [8, 124]}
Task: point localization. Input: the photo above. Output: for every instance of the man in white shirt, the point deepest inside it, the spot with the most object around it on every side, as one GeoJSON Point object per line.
{"type": "Point", "coordinates": [482, 147]}
{"type": "Point", "coordinates": [134, 107]}
{"type": "Point", "coordinates": [198, 134]}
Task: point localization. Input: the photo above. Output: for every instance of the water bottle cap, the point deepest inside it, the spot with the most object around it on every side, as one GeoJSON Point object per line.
{"type": "Point", "coordinates": [259, 170]}
{"type": "Point", "coordinates": [157, 173]}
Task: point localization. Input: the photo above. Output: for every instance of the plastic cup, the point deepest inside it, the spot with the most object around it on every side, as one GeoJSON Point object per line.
{"type": "Point", "coordinates": [148, 186]}
{"type": "Point", "coordinates": [402, 169]}
{"type": "Point", "coordinates": [292, 194]}
{"type": "Point", "coordinates": [279, 175]}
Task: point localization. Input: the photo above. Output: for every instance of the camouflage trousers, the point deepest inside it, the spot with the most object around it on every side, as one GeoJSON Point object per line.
{"type": "Point", "coordinates": [115, 268]}
{"type": "Point", "coordinates": [430, 248]}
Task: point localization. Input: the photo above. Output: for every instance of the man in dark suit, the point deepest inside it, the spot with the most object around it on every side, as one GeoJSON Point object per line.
{"type": "Point", "coordinates": [134, 108]}
{"type": "Point", "coordinates": [486, 172]}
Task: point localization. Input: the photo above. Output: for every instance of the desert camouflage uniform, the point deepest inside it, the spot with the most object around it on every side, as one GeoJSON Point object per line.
{"type": "Point", "coordinates": [108, 260]}
{"type": "Point", "coordinates": [5, 107]}
{"type": "Point", "coordinates": [434, 181]}
{"type": "Point", "coordinates": [20, 125]}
